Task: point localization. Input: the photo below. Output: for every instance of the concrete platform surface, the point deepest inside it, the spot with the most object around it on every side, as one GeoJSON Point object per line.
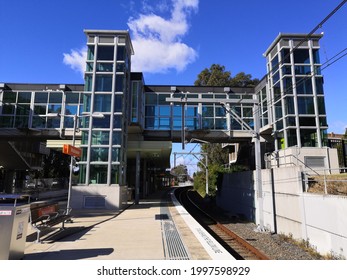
{"type": "Point", "coordinates": [150, 230]}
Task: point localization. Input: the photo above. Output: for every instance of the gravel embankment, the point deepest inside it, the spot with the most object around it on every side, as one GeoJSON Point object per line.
{"type": "Point", "coordinates": [272, 245]}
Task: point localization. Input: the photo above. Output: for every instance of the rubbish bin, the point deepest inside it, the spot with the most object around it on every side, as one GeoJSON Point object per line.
{"type": "Point", "coordinates": [14, 217]}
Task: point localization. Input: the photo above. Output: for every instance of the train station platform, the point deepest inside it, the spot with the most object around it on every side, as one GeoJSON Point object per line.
{"type": "Point", "coordinates": [157, 228]}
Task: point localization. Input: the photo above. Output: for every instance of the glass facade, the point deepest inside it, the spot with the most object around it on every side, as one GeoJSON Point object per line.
{"type": "Point", "coordinates": [291, 99]}
{"type": "Point", "coordinates": [295, 92]}
{"type": "Point", "coordinates": [107, 90]}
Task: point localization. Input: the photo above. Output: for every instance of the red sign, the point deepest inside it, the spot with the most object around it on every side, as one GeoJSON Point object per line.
{"type": "Point", "coordinates": [72, 150]}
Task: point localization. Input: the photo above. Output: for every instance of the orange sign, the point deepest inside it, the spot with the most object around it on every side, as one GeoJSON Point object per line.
{"type": "Point", "coordinates": [72, 150]}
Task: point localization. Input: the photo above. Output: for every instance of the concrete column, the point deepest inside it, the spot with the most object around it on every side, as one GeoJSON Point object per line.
{"type": "Point", "coordinates": [137, 182]}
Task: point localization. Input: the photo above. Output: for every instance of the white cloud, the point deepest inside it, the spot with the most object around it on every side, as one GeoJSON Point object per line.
{"type": "Point", "coordinates": [157, 41]}
{"type": "Point", "coordinates": [76, 59]}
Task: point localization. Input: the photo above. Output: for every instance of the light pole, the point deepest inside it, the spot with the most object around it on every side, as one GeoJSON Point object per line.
{"type": "Point", "coordinates": [75, 120]}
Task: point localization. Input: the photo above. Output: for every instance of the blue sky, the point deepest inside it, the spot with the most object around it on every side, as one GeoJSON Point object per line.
{"type": "Point", "coordinates": [174, 40]}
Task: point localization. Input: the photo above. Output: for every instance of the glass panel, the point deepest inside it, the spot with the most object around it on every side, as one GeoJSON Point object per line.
{"type": "Point", "coordinates": [221, 124]}
{"type": "Point", "coordinates": [120, 52]}
{"type": "Point", "coordinates": [289, 105]}
{"type": "Point", "coordinates": [117, 121]}
{"type": "Point", "coordinates": [219, 112]}
{"type": "Point", "coordinates": [40, 110]}
{"type": "Point", "coordinates": [102, 103]}
{"type": "Point", "coordinates": [207, 123]}
{"type": "Point", "coordinates": [285, 54]}
{"type": "Point", "coordinates": [68, 122]}
{"type": "Point", "coordinates": [302, 70]}
{"type": "Point", "coordinates": [151, 99]}
{"type": "Point", "coordinates": [41, 97]}
{"type": "Point", "coordinates": [115, 174]}
{"type": "Point", "coordinates": [164, 123]}
{"type": "Point", "coordinates": [290, 121]}
{"type": "Point", "coordinates": [162, 99]}
{"type": "Point", "coordinates": [291, 135]}
{"type": "Point", "coordinates": [54, 108]}
{"type": "Point", "coordinates": [99, 154]}
{"type": "Point", "coordinates": [23, 109]}
{"type": "Point", "coordinates": [301, 56]}
{"type": "Point", "coordinates": [86, 102]}
{"type": "Point", "coordinates": [305, 121]}
{"type": "Point", "coordinates": [21, 121]}
{"type": "Point", "coordinates": [85, 135]}
{"type": "Point", "coordinates": [55, 97]}
{"type": "Point", "coordinates": [117, 138]}
{"type": "Point", "coordinates": [24, 97]}
{"type": "Point", "coordinates": [149, 123]}
{"type": "Point", "coordinates": [8, 109]}
{"type": "Point", "coordinates": [316, 59]}
{"type": "Point", "coordinates": [90, 66]}
{"type": "Point", "coordinates": [321, 105]}
{"type": "Point", "coordinates": [90, 53]}
{"type": "Point", "coordinates": [305, 105]}
{"type": "Point", "coordinates": [151, 111]}
{"type": "Point", "coordinates": [279, 125]}
{"type": "Point", "coordinates": [207, 111]}
{"type": "Point", "coordinates": [84, 153]}
{"type": "Point", "coordinates": [119, 83]}
{"type": "Point", "coordinates": [71, 109]}
{"type": "Point", "coordinates": [323, 121]}
{"type": "Point", "coordinates": [98, 174]}
{"type": "Point", "coordinates": [9, 97]}
{"type": "Point", "coordinates": [104, 67]}
{"type": "Point", "coordinates": [192, 123]}
{"type": "Point", "coordinates": [274, 64]}
{"type": "Point", "coordinates": [100, 137]}
{"type": "Point", "coordinates": [72, 98]}
{"type": "Point", "coordinates": [234, 125]}
{"type": "Point", "coordinates": [88, 82]}
{"type": "Point", "coordinates": [38, 122]}
{"type": "Point", "coordinates": [53, 122]}
{"type": "Point", "coordinates": [6, 121]}
{"type": "Point", "coordinates": [116, 154]}
{"type": "Point", "coordinates": [304, 86]}
{"type": "Point", "coordinates": [247, 112]}
{"type": "Point", "coordinates": [105, 52]}
{"type": "Point", "coordinates": [277, 91]}
{"type": "Point", "coordinates": [103, 83]}
{"type": "Point", "coordinates": [118, 103]}
{"type": "Point", "coordinates": [286, 70]}
{"type": "Point", "coordinates": [278, 110]}
{"type": "Point", "coordinates": [177, 111]}
{"type": "Point", "coordinates": [82, 176]}
{"type": "Point", "coordinates": [288, 85]}
{"type": "Point", "coordinates": [120, 67]}
{"type": "Point", "coordinates": [164, 110]}
{"type": "Point", "coordinates": [308, 137]}
{"type": "Point", "coordinates": [276, 77]}
{"type": "Point", "coordinates": [101, 123]}
{"type": "Point", "coordinates": [192, 111]}
{"type": "Point", "coordinates": [319, 85]}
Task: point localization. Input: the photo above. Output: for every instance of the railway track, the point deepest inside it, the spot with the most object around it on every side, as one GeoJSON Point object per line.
{"type": "Point", "coordinates": [234, 244]}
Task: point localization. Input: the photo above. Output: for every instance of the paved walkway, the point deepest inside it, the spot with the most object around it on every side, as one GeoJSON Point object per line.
{"type": "Point", "coordinates": [152, 230]}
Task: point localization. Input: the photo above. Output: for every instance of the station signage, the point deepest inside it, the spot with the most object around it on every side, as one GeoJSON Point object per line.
{"type": "Point", "coordinates": [72, 150]}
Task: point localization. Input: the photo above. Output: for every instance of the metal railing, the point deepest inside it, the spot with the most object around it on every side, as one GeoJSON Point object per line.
{"type": "Point", "coordinates": [328, 181]}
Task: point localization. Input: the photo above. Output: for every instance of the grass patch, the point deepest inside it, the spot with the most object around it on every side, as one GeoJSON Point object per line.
{"type": "Point", "coordinates": [335, 184]}
{"type": "Point", "coordinates": [309, 248]}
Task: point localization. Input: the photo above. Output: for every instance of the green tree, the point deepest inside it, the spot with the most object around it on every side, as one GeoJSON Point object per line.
{"type": "Point", "coordinates": [217, 75]}
{"type": "Point", "coordinates": [180, 172]}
